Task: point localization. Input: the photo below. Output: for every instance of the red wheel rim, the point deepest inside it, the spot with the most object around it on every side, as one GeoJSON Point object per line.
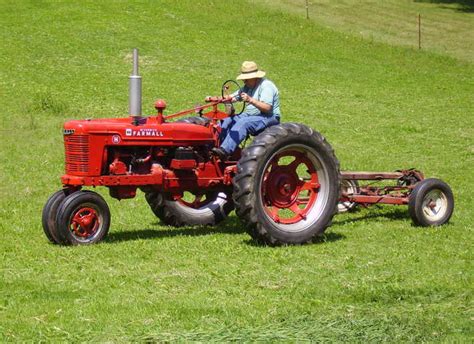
{"type": "Point", "coordinates": [290, 187]}
{"type": "Point", "coordinates": [85, 223]}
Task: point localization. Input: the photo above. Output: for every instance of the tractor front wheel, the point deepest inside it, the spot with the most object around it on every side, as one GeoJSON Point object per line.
{"type": "Point", "coordinates": [188, 209]}
{"type": "Point", "coordinates": [48, 217]}
{"type": "Point", "coordinates": [83, 218]}
{"type": "Point", "coordinates": [287, 185]}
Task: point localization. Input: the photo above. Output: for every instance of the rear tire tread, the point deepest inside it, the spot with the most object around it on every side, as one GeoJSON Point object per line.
{"type": "Point", "coordinates": [244, 181]}
{"type": "Point", "coordinates": [170, 211]}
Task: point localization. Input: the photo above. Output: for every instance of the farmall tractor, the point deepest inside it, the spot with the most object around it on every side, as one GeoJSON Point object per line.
{"type": "Point", "coordinates": [286, 185]}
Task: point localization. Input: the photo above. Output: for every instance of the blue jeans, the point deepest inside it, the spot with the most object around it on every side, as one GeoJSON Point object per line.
{"type": "Point", "coordinates": [236, 128]}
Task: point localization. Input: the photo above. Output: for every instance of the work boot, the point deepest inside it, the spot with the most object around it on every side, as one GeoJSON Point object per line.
{"type": "Point", "coordinates": [219, 152]}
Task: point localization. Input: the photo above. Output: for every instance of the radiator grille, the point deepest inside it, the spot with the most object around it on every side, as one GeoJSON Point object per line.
{"type": "Point", "coordinates": [77, 153]}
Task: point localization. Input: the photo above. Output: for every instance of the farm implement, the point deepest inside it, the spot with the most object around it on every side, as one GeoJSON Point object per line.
{"type": "Point", "coordinates": [286, 185]}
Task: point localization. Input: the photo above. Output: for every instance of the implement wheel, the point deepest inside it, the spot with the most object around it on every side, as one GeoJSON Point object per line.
{"type": "Point", "coordinates": [83, 218]}
{"type": "Point", "coordinates": [287, 185]}
{"type": "Point", "coordinates": [431, 203]}
{"type": "Point", "coordinates": [350, 187]}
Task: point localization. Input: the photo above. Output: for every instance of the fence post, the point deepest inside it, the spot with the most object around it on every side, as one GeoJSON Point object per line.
{"type": "Point", "coordinates": [307, 9]}
{"type": "Point", "coordinates": [419, 31]}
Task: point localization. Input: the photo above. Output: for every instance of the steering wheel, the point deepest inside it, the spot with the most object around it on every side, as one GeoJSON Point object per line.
{"type": "Point", "coordinates": [230, 87]}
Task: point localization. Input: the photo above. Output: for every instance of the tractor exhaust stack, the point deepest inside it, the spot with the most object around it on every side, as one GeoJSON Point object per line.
{"type": "Point", "coordinates": [135, 89]}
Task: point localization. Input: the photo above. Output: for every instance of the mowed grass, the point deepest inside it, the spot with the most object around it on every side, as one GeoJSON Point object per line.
{"type": "Point", "coordinates": [446, 26]}
{"type": "Point", "coordinates": [373, 277]}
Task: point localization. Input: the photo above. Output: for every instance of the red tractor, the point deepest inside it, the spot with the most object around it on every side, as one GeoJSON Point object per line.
{"type": "Point", "coordinates": [286, 185]}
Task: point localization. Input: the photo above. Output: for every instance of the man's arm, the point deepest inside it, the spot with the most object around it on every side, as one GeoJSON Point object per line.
{"type": "Point", "coordinates": [261, 106]}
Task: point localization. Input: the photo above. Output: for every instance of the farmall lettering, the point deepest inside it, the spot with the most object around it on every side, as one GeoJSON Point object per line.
{"type": "Point", "coordinates": [143, 132]}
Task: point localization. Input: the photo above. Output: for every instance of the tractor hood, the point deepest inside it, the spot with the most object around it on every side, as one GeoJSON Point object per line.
{"type": "Point", "coordinates": [123, 130]}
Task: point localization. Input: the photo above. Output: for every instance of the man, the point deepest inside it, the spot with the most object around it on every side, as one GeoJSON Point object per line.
{"type": "Point", "coordinates": [262, 111]}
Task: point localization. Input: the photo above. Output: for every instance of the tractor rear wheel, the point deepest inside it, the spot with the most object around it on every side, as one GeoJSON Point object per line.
{"type": "Point", "coordinates": [83, 218]}
{"type": "Point", "coordinates": [48, 217]}
{"type": "Point", "coordinates": [431, 203]}
{"type": "Point", "coordinates": [190, 209]}
{"type": "Point", "coordinates": [287, 185]}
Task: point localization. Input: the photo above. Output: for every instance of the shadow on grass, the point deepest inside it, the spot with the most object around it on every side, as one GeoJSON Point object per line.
{"type": "Point", "coordinates": [230, 226]}
{"type": "Point", "coordinates": [464, 5]}
{"type": "Point", "coordinates": [326, 237]}
{"type": "Point", "coordinates": [233, 226]}
{"type": "Point", "coordinates": [392, 214]}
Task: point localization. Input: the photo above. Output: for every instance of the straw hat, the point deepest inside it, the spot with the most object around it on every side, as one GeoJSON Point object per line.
{"type": "Point", "coordinates": [249, 70]}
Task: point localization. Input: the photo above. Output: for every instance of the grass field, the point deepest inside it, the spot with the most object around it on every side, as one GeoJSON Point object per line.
{"type": "Point", "coordinates": [446, 25]}
{"type": "Point", "coordinates": [374, 277]}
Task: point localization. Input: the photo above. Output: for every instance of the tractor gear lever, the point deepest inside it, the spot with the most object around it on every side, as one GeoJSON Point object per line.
{"type": "Point", "coordinates": [160, 105]}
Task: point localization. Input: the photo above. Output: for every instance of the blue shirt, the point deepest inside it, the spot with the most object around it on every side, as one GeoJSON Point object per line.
{"type": "Point", "coordinates": [266, 92]}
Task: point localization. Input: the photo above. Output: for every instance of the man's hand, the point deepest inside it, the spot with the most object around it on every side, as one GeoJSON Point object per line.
{"type": "Point", "coordinates": [263, 107]}
{"type": "Point", "coordinates": [246, 98]}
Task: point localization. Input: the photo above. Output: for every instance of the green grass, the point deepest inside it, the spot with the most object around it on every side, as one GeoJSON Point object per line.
{"type": "Point", "coordinates": [446, 25]}
{"type": "Point", "coordinates": [374, 277]}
